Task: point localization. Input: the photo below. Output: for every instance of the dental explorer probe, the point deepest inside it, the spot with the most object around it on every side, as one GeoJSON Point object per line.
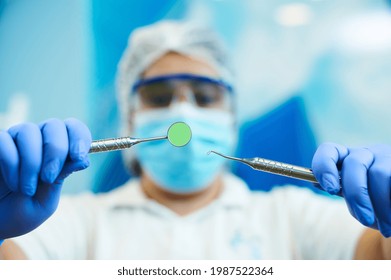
{"type": "Point", "coordinates": [279, 168]}
{"type": "Point", "coordinates": [178, 134]}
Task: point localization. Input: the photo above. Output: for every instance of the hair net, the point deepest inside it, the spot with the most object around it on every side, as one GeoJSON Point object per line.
{"type": "Point", "coordinates": [149, 43]}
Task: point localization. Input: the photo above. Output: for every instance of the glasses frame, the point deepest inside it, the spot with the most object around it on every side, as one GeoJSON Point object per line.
{"type": "Point", "coordinates": [181, 77]}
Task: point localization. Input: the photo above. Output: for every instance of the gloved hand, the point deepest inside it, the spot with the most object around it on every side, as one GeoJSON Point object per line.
{"type": "Point", "coordinates": [34, 161]}
{"type": "Point", "coordinates": [365, 180]}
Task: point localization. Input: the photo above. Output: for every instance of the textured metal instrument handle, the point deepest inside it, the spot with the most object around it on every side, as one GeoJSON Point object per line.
{"type": "Point", "coordinates": [112, 144]}
{"type": "Point", "coordinates": [284, 169]}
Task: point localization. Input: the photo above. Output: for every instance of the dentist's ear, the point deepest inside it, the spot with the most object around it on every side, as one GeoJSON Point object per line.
{"type": "Point", "coordinates": [129, 123]}
{"type": "Point", "coordinates": [128, 155]}
{"type": "Point", "coordinates": [126, 126]}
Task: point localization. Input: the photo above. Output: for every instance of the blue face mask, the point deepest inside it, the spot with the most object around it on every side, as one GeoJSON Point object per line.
{"type": "Point", "coordinates": [184, 169]}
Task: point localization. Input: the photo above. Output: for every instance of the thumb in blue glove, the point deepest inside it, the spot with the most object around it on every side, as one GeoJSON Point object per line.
{"type": "Point", "coordinates": [365, 180]}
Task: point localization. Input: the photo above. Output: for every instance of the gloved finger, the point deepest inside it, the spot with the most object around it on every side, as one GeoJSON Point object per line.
{"type": "Point", "coordinates": [72, 166]}
{"type": "Point", "coordinates": [9, 161]}
{"type": "Point", "coordinates": [55, 149]}
{"type": "Point", "coordinates": [79, 138]}
{"type": "Point", "coordinates": [379, 189]}
{"type": "Point", "coordinates": [355, 185]}
{"type": "Point", "coordinates": [28, 140]}
{"type": "Point", "coordinates": [325, 166]}
{"type": "Point", "coordinates": [48, 195]}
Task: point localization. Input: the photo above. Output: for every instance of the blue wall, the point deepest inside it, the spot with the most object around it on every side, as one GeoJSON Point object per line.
{"type": "Point", "coordinates": [44, 64]}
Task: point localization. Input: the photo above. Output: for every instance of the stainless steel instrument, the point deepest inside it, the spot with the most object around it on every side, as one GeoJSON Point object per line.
{"type": "Point", "coordinates": [178, 134]}
{"type": "Point", "coordinates": [113, 144]}
{"type": "Point", "coordinates": [279, 168]}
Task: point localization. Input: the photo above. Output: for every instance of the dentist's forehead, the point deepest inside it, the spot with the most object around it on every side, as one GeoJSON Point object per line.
{"type": "Point", "coordinates": [175, 63]}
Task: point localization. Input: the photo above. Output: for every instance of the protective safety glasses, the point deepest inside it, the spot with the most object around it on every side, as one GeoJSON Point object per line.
{"type": "Point", "coordinates": [161, 91]}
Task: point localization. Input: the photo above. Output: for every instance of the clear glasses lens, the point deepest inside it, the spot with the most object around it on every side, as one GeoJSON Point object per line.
{"type": "Point", "coordinates": [161, 92]}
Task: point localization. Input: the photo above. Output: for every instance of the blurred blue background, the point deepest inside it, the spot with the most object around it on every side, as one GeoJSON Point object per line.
{"type": "Point", "coordinates": [330, 59]}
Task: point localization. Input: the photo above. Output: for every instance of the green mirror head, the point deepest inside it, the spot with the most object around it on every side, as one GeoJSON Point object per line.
{"type": "Point", "coordinates": [179, 134]}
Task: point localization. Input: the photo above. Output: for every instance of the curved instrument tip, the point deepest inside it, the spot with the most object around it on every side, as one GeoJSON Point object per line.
{"type": "Point", "coordinates": [224, 156]}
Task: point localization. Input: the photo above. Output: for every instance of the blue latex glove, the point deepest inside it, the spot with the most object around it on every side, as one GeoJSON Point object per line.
{"type": "Point", "coordinates": [34, 161]}
{"type": "Point", "coordinates": [365, 180]}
